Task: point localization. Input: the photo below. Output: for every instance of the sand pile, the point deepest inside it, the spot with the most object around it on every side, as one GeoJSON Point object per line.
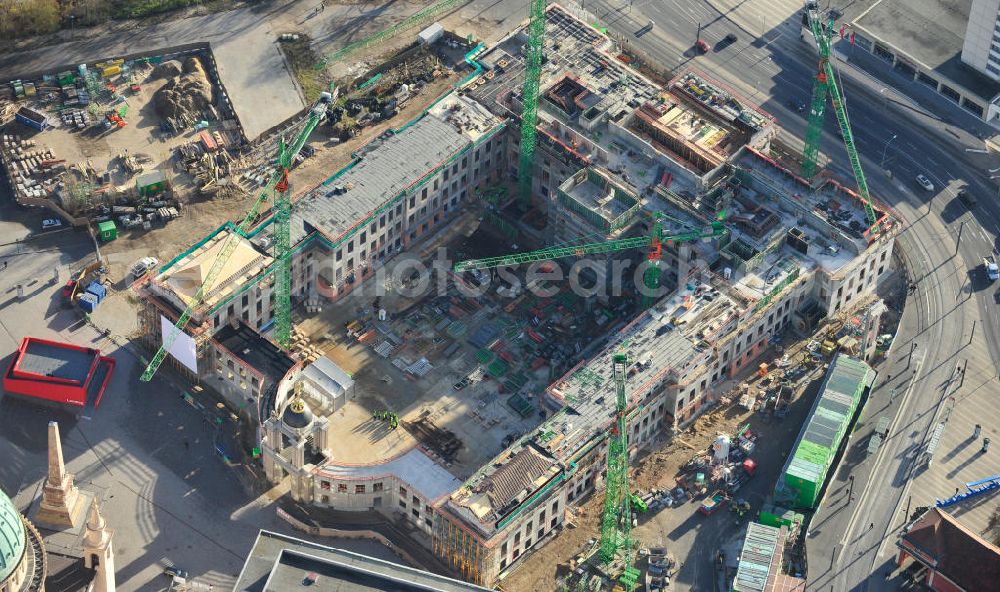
{"type": "Point", "coordinates": [184, 98]}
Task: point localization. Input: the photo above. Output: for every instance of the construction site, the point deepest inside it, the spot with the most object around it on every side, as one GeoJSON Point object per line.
{"type": "Point", "coordinates": [474, 284]}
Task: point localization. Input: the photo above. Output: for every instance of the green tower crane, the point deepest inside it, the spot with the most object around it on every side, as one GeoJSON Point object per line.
{"type": "Point", "coordinates": [655, 242]}
{"type": "Point", "coordinates": [277, 183]}
{"type": "Point", "coordinates": [616, 519]}
{"type": "Point", "coordinates": [824, 84]}
{"type": "Point", "coordinates": [529, 112]}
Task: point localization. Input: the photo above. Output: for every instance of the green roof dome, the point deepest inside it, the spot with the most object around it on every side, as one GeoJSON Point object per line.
{"type": "Point", "coordinates": [12, 537]}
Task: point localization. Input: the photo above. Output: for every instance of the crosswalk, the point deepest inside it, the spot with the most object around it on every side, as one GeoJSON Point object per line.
{"type": "Point", "coordinates": [756, 17]}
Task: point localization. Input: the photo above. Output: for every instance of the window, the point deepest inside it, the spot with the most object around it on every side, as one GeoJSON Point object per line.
{"type": "Point", "coordinates": [503, 562]}
{"type": "Point", "coordinates": [341, 487]}
{"type": "Point", "coordinates": [324, 485]}
{"type": "Point", "coordinates": [402, 504]}
{"type": "Point", "coordinates": [416, 500]}
{"type": "Point", "coordinates": [517, 538]}
{"type": "Point", "coordinates": [427, 522]}
{"type": "Point", "coordinates": [527, 543]}
{"type": "Point", "coordinates": [415, 512]}
{"type": "Point", "coordinates": [402, 492]}
{"type": "Point", "coordinates": [503, 548]}
{"type": "Point", "coordinates": [555, 506]}
{"type": "Point", "coordinates": [359, 488]}
{"type": "Point", "coordinates": [553, 523]}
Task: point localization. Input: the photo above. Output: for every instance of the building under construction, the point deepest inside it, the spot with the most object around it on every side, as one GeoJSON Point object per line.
{"type": "Point", "coordinates": [615, 152]}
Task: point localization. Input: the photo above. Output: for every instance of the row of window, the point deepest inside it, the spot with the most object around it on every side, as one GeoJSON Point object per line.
{"type": "Point", "coordinates": [528, 533]}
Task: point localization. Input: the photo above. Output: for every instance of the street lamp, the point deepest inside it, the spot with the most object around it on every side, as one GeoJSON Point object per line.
{"type": "Point", "coordinates": [882, 164]}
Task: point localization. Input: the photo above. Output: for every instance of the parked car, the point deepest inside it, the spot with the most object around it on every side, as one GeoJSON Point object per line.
{"type": "Point", "coordinates": [796, 105]}
{"type": "Point", "coordinates": [51, 223]}
{"type": "Point", "coordinates": [925, 182]}
{"type": "Point", "coordinates": [142, 266]}
{"type": "Point", "coordinates": [966, 198]}
{"type": "Point", "coordinates": [175, 572]}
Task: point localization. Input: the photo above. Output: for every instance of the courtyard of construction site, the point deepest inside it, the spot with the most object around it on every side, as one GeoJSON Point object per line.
{"type": "Point", "coordinates": [410, 314]}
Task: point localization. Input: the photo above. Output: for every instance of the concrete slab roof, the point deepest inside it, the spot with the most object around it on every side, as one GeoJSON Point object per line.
{"type": "Point", "coordinates": [389, 166]}
{"type": "Point", "coordinates": [930, 32]}
{"type": "Point", "coordinates": [278, 563]}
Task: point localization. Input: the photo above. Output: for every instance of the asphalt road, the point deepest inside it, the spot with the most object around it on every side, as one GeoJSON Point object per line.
{"type": "Point", "coordinates": [850, 543]}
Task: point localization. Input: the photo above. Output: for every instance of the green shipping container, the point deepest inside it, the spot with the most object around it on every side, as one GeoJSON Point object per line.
{"type": "Point", "coordinates": [107, 231]}
{"type": "Point", "coordinates": [805, 473]}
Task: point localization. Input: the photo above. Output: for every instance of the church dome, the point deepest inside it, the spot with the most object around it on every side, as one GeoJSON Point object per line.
{"type": "Point", "coordinates": [13, 540]}
{"type": "Point", "coordinates": [297, 414]}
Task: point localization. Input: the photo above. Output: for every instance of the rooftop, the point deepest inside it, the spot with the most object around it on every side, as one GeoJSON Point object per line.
{"type": "Point", "coordinates": [760, 558]}
{"type": "Point", "coordinates": [183, 276]}
{"type": "Point", "coordinates": [278, 563]}
{"type": "Point", "coordinates": [413, 467]}
{"type": "Point", "coordinates": [263, 355]}
{"type": "Point", "coordinates": [930, 32]}
{"type": "Point", "coordinates": [56, 360]}
{"type": "Point", "coordinates": [390, 165]}
{"type": "Point", "coordinates": [959, 553]}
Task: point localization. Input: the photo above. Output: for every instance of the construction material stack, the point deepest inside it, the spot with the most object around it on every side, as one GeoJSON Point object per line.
{"type": "Point", "coordinates": [278, 182]}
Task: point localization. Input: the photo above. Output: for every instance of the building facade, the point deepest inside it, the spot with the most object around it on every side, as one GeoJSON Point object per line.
{"type": "Point", "coordinates": [981, 46]}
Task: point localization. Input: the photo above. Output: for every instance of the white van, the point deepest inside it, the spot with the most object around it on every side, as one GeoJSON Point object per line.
{"type": "Point", "coordinates": [142, 266]}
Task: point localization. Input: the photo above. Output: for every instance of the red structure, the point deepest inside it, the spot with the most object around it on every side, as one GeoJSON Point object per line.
{"type": "Point", "coordinates": [60, 373]}
{"type": "Point", "coordinates": [952, 557]}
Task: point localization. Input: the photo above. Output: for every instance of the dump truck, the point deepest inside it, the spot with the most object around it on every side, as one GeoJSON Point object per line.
{"type": "Point", "coordinates": [990, 263]}
{"type": "Point", "coordinates": [713, 502]}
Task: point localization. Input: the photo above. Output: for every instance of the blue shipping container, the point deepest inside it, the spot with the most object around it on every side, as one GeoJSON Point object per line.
{"type": "Point", "coordinates": [99, 290]}
{"type": "Point", "coordinates": [88, 302]}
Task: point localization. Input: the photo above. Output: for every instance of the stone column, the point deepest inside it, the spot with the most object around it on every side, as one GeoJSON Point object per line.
{"type": "Point", "coordinates": [61, 500]}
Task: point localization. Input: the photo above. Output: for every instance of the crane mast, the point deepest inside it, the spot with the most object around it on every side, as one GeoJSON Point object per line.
{"type": "Point", "coordinates": [529, 111]}
{"type": "Point", "coordinates": [278, 182]}
{"type": "Point", "coordinates": [824, 84]}
{"type": "Point", "coordinates": [616, 519]}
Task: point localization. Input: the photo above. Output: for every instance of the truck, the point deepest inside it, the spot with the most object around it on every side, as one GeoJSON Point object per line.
{"type": "Point", "coordinates": [990, 263]}
{"type": "Point", "coordinates": [713, 502]}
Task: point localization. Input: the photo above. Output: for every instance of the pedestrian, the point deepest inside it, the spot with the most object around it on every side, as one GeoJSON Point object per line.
{"type": "Point", "coordinates": [871, 526]}
{"type": "Point", "coordinates": [977, 431]}
{"type": "Point", "coordinates": [986, 445]}
{"type": "Point", "coordinates": [186, 444]}
{"type": "Point", "coordinates": [956, 491]}
{"type": "Point", "coordinates": [5, 265]}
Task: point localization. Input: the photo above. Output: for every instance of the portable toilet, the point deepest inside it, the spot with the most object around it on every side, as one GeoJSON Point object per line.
{"type": "Point", "coordinates": [107, 231]}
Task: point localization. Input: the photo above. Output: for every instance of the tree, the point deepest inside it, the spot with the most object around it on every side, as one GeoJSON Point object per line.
{"type": "Point", "coordinates": [35, 17]}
